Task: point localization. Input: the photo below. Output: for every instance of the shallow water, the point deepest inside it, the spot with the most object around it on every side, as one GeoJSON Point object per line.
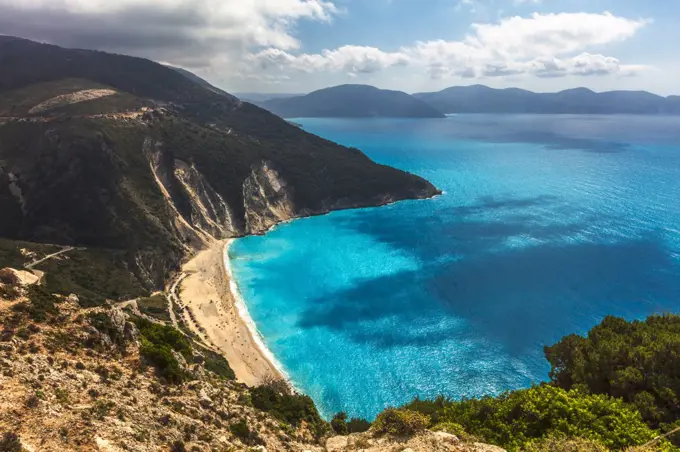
{"type": "Point", "coordinates": [547, 224]}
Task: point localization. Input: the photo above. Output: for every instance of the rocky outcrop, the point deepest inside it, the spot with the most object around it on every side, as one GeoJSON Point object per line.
{"type": "Point", "coordinates": [267, 199]}
{"type": "Point", "coordinates": [163, 172]}
{"type": "Point", "coordinates": [65, 386]}
{"type": "Point", "coordinates": [17, 277]}
{"type": "Point", "coordinates": [209, 211]}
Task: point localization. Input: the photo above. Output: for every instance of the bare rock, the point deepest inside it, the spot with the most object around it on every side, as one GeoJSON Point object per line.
{"type": "Point", "coordinates": [336, 443]}
{"type": "Point", "coordinates": [118, 319]}
{"type": "Point", "coordinates": [130, 332]}
{"type": "Point", "coordinates": [105, 446]}
{"type": "Point", "coordinates": [203, 398]}
{"type": "Point", "coordinates": [446, 437]}
{"type": "Point", "coordinates": [180, 359]}
{"type": "Point", "coordinates": [17, 277]}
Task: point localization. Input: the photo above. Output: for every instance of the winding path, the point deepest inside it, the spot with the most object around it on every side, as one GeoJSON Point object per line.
{"type": "Point", "coordinates": [65, 249]}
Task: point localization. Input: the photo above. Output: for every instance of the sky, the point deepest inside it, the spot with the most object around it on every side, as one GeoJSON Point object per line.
{"type": "Point", "coordinates": [297, 46]}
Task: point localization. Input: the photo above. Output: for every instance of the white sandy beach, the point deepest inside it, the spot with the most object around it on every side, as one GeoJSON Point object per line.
{"type": "Point", "coordinates": [207, 291]}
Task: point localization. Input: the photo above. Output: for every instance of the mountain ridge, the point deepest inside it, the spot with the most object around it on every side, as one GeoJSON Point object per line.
{"type": "Point", "coordinates": [352, 101]}
{"type": "Point", "coordinates": [579, 100]}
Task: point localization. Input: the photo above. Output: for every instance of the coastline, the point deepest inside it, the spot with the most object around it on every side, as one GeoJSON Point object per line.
{"type": "Point", "coordinates": [216, 314]}
{"type": "Point", "coordinates": [246, 319]}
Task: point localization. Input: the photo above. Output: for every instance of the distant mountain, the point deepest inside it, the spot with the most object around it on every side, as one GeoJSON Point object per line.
{"type": "Point", "coordinates": [352, 101]}
{"type": "Point", "coordinates": [258, 98]}
{"type": "Point", "coordinates": [482, 99]}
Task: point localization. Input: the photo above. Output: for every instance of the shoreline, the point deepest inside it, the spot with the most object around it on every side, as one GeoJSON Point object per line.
{"type": "Point", "coordinates": [212, 312]}
{"type": "Point", "coordinates": [246, 318]}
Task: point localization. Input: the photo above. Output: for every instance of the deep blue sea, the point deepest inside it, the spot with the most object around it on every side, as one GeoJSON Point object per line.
{"type": "Point", "coordinates": [547, 224]}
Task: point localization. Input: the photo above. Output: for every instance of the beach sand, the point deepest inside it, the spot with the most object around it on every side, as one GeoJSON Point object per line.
{"type": "Point", "coordinates": [205, 289]}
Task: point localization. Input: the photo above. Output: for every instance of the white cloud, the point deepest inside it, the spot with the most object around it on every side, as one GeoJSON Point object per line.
{"type": "Point", "coordinates": [188, 32]}
{"type": "Point", "coordinates": [349, 59]}
{"type": "Point", "coordinates": [544, 45]}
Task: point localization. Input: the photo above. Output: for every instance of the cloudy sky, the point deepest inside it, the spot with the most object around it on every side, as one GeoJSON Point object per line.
{"type": "Point", "coordinates": [412, 45]}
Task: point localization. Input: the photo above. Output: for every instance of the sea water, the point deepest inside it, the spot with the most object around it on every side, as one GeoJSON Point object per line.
{"type": "Point", "coordinates": [547, 225]}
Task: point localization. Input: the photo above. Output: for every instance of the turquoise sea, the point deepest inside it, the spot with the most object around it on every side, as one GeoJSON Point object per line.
{"type": "Point", "coordinates": [547, 224]}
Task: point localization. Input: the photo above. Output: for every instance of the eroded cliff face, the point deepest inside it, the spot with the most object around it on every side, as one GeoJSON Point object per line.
{"type": "Point", "coordinates": [201, 215]}
{"type": "Point", "coordinates": [267, 199]}
{"type": "Point", "coordinates": [162, 168]}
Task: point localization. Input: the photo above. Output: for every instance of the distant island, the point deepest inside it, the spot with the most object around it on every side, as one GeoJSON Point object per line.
{"type": "Point", "coordinates": [352, 101]}
{"type": "Point", "coordinates": [482, 99]}
{"type": "Point", "coordinates": [257, 98]}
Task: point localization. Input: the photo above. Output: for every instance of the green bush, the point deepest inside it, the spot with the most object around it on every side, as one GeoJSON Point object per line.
{"type": "Point", "coordinates": [241, 430]}
{"type": "Point", "coordinates": [637, 361]}
{"type": "Point", "coordinates": [276, 399]}
{"type": "Point", "coordinates": [41, 303]}
{"type": "Point", "coordinates": [342, 426]}
{"type": "Point", "coordinates": [357, 425]}
{"type": "Point", "coordinates": [217, 364]}
{"type": "Point", "coordinates": [158, 342]}
{"type": "Point", "coordinates": [400, 422]}
{"type": "Point", "coordinates": [339, 423]}
{"type": "Point", "coordinates": [515, 419]}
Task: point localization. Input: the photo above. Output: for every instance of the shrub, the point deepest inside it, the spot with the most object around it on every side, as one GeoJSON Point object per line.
{"type": "Point", "coordinates": [339, 423]}
{"type": "Point", "coordinates": [357, 425]}
{"type": "Point", "coordinates": [178, 446]}
{"type": "Point", "coordinates": [400, 422]}
{"type": "Point", "coordinates": [515, 419]}
{"type": "Point", "coordinates": [158, 342]}
{"type": "Point", "coordinates": [241, 430]}
{"type": "Point", "coordinates": [10, 442]}
{"type": "Point", "coordinates": [217, 364]}
{"type": "Point", "coordinates": [276, 399]}
{"type": "Point", "coordinates": [42, 303]}
{"type": "Point", "coordinates": [9, 292]}
{"type": "Point", "coordinates": [32, 401]}
{"type": "Point", "coordinates": [342, 426]}
{"type": "Point", "coordinates": [62, 396]}
{"type": "Point", "coordinates": [636, 361]}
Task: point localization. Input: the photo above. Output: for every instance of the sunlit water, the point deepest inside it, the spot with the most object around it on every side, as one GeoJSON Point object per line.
{"type": "Point", "coordinates": [548, 224]}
